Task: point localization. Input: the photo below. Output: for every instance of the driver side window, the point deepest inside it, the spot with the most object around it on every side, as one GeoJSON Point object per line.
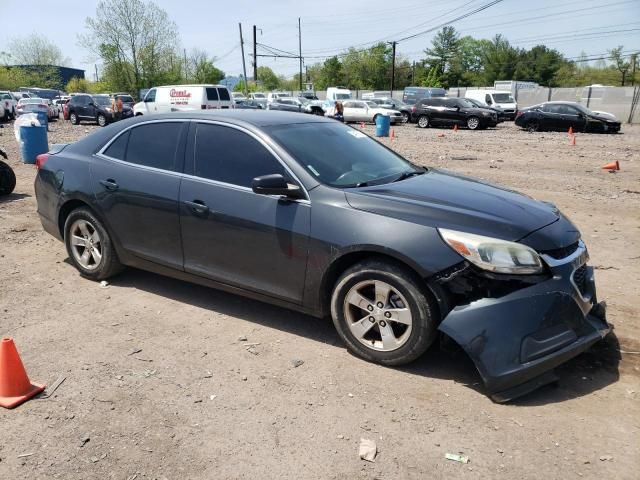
{"type": "Point", "coordinates": [151, 96]}
{"type": "Point", "coordinates": [229, 155]}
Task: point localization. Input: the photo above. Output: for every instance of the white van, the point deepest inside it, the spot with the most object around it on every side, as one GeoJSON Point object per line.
{"type": "Point", "coordinates": [497, 99]}
{"type": "Point", "coordinates": [175, 98]}
{"type": "Point", "coordinates": [271, 96]}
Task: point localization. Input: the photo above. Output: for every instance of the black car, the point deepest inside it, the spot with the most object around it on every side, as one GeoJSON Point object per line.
{"type": "Point", "coordinates": [96, 108]}
{"type": "Point", "coordinates": [311, 214]}
{"type": "Point", "coordinates": [502, 116]}
{"type": "Point", "coordinates": [127, 99]}
{"type": "Point", "coordinates": [393, 104]}
{"type": "Point", "coordinates": [560, 116]}
{"type": "Point", "coordinates": [452, 111]}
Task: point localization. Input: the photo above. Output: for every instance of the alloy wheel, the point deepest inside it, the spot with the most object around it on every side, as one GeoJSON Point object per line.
{"type": "Point", "coordinates": [86, 244]}
{"type": "Point", "coordinates": [378, 315]}
{"type": "Point", "coordinates": [473, 123]}
{"type": "Point", "coordinates": [405, 117]}
{"type": "Point", "coordinates": [423, 121]}
{"type": "Point", "coordinates": [102, 120]}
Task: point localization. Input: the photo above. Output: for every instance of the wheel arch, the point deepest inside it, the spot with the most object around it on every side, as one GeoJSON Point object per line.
{"type": "Point", "coordinates": [345, 261]}
{"type": "Point", "coordinates": [69, 206]}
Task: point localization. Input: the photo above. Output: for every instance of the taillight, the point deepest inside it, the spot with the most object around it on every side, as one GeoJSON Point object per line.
{"type": "Point", "coordinates": [41, 160]}
{"type": "Point", "coordinates": [519, 113]}
{"type": "Point", "coordinates": [413, 109]}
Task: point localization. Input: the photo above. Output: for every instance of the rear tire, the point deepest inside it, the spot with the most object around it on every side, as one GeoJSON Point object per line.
{"type": "Point", "coordinates": [532, 126]}
{"type": "Point", "coordinates": [73, 118]}
{"type": "Point", "coordinates": [423, 121]}
{"type": "Point", "coordinates": [7, 179]}
{"type": "Point", "coordinates": [405, 117]}
{"type": "Point", "coordinates": [397, 332]}
{"type": "Point", "coordinates": [89, 245]}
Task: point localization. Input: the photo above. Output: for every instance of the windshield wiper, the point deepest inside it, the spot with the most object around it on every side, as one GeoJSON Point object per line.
{"type": "Point", "coordinates": [409, 174]}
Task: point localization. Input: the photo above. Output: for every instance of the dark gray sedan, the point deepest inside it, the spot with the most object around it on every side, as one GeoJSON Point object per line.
{"type": "Point", "coordinates": [313, 215]}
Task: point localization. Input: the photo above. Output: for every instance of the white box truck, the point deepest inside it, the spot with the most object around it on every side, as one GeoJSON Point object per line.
{"type": "Point", "coordinates": [501, 99]}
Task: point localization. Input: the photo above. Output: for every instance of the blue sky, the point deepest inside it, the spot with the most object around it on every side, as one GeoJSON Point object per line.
{"type": "Point", "coordinates": [330, 26]}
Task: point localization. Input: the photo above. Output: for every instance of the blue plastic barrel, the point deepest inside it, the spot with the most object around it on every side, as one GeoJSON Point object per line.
{"type": "Point", "coordinates": [43, 118]}
{"type": "Point", "coordinates": [383, 123]}
{"type": "Point", "coordinates": [33, 142]}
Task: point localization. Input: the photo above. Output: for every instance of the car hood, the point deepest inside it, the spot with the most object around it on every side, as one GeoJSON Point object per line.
{"type": "Point", "coordinates": [608, 117]}
{"type": "Point", "coordinates": [443, 199]}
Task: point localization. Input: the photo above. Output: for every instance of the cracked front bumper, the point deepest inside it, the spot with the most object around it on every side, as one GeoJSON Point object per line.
{"type": "Point", "coordinates": [515, 340]}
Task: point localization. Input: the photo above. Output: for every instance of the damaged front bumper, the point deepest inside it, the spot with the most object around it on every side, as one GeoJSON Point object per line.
{"type": "Point", "coordinates": [516, 339]}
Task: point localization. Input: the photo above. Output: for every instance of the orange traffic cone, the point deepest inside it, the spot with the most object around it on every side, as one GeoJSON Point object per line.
{"type": "Point", "coordinates": [612, 166]}
{"type": "Point", "coordinates": [455, 127]}
{"type": "Point", "coordinates": [573, 140]}
{"type": "Point", "coordinates": [393, 134]}
{"type": "Point", "coordinates": [361, 124]}
{"type": "Point", "coordinates": [570, 130]}
{"type": "Point", "coordinates": [15, 387]}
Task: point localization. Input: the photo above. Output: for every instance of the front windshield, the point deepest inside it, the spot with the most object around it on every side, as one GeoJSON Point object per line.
{"type": "Point", "coordinates": [340, 156]}
{"type": "Point", "coordinates": [102, 100]}
{"type": "Point", "coordinates": [503, 98]}
{"type": "Point", "coordinates": [126, 98]}
{"type": "Point", "coordinates": [343, 96]}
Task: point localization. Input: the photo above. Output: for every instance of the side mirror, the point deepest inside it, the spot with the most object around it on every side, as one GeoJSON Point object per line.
{"type": "Point", "coordinates": [275, 184]}
{"type": "Point", "coordinates": [91, 104]}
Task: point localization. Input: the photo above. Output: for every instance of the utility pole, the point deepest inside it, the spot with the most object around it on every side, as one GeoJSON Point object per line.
{"type": "Point", "coordinates": [255, 57]}
{"type": "Point", "coordinates": [244, 65]}
{"type": "Point", "coordinates": [300, 51]}
{"type": "Point", "coordinates": [185, 65]}
{"type": "Point", "coordinates": [96, 67]}
{"type": "Point", "coordinates": [393, 68]}
{"type": "Point", "coordinates": [633, 68]}
{"type": "Point", "coordinates": [306, 70]}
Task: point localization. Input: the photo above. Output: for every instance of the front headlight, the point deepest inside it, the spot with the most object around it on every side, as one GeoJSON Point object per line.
{"type": "Point", "coordinates": [493, 254]}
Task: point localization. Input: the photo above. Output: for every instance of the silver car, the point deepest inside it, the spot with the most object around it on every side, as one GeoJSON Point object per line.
{"type": "Point", "coordinates": [365, 111]}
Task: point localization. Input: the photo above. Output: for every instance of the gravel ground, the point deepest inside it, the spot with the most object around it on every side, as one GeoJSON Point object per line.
{"type": "Point", "coordinates": [167, 380]}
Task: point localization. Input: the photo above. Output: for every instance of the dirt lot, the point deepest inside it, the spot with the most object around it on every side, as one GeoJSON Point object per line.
{"type": "Point", "coordinates": [196, 402]}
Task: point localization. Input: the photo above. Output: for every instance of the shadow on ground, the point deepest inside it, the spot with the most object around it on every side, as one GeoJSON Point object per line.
{"type": "Point", "coordinates": [13, 197]}
{"type": "Point", "coordinates": [589, 372]}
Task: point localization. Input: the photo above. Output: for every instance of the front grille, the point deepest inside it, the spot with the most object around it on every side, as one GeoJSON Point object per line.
{"type": "Point", "coordinates": [580, 278]}
{"type": "Point", "coordinates": [560, 253]}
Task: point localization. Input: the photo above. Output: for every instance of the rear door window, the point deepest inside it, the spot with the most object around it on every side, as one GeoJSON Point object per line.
{"type": "Point", "coordinates": [118, 147]}
{"type": "Point", "coordinates": [229, 155]}
{"type": "Point", "coordinates": [212, 94]}
{"type": "Point", "coordinates": [223, 94]}
{"type": "Point", "coordinates": [154, 145]}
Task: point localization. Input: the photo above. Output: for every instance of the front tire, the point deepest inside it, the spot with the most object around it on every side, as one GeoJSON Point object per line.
{"type": "Point", "coordinates": [532, 126]}
{"type": "Point", "coordinates": [405, 117]}
{"type": "Point", "coordinates": [73, 118]}
{"type": "Point", "coordinates": [89, 245]}
{"type": "Point", "coordinates": [101, 120]}
{"type": "Point", "coordinates": [382, 314]}
{"type": "Point", "coordinates": [473, 123]}
{"type": "Point", "coordinates": [423, 121]}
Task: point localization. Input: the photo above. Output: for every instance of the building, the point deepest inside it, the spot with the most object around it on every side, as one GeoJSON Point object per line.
{"type": "Point", "coordinates": [60, 75]}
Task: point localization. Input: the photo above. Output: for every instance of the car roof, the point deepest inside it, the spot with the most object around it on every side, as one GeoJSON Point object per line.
{"type": "Point", "coordinates": [257, 118]}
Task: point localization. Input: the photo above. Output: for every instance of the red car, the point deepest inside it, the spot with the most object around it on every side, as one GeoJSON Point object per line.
{"type": "Point", "coordinates": [65, 109]}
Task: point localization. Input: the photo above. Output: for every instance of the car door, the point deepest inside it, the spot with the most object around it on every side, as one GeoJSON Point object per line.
{"type": "Point", "coordinates": [360, 113]}
{"type": "Point", "coordinates": [551, 118]}
{"type": "Point", "coordinates": [572, 117]}
{"type": "Point", "coordinates": [231, 234]}
{"type": "Point", "coordinates": [150, 101]}
{"type": "Point", "coordinates": [436, 110]}
{"type": "Point", "coordinates": [136, 181]}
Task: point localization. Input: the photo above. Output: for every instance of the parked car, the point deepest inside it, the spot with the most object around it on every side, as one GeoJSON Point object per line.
{"type": "Point", "coordinates": [365, 111]}
{"type": "Point", "coordinates": [238, 96]}
{"type": "Point", "coordinates": [309, 95]}
{"type": "Point", "coordinates": [259, 97]}
{"type": "Point", "coordinates": [271, 96]}
{"type": "Point", "coordinates": [293, 104]}
{"type": "Point", "coordinates": [495, 98]}
{"type": "Point", "coordinates": [127, 100]}
{"type": "Point", "coordinates": [249, 104]}
{"type": "Point", "coordinates": [499, 112]}
{"type": "Point", "coordinates": [393, 104]}
{"type": "Point", "coordinates": [560, 116]}
{"type": "Point", "coordinates": [65, 108]}
{"type": "Point", "coordinates": [54, 113]}
{"type": "Point", "coordinates": [32, 105]}
{"type": "Point", "coordinates": [412, 95]}
{"type": "Point", "coordinates": [174, 98]}
{"type": "Point", "coordinates": [7, 175]}
{"type": "Point", "coordinates": [430, 112]}
{"type": "Point", "coordinates": [96, 108]}
{"type": "Point", "coordinates": [20, 95]}
{"type": "Point", "coordinates": [311, 214]}
{"type": "Point", "coordinates": [9, 105]}
{"type": "Point", "coordinates": [335, 94]}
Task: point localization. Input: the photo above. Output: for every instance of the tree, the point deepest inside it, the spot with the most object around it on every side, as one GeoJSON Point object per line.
{"type": "Point", "coordinates": [445, 46]}
{"type": "Point", "coordinates": [499, 60]}
{"type": "Point", "coordinates": [202, 69]}
{"type": "Point", "coordinates": [268, 79]}
{"type": "Point", "coordinates": [135, 40]}
{"type": "Point", "coordinates": [35, 49]}
{"type": "Point", "coordinates": [330, 74]}
{"type": "Point", "coordinates": [431, 79]}
{"type": "Point", "coordinates": [618, 61]}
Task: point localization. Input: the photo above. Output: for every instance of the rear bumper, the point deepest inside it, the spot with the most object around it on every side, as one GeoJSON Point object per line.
{"type": "Point", "coordinates": [515, 340]}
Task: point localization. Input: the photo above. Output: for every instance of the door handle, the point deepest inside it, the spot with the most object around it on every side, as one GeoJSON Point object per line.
{"type": "Point", "coordinates": [197, 206]}
{"type": "Point", "coordinates": [110, 184]}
